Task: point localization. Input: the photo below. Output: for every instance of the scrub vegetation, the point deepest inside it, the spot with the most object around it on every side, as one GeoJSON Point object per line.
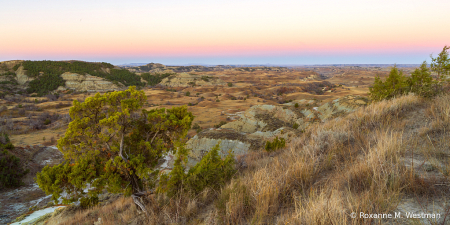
{"type": "Point", "coordinates": [11, 169]}
{"type": "Point", "coordinates": [154, 79]}
{"type": "Point", "coordinates": [47, 74]}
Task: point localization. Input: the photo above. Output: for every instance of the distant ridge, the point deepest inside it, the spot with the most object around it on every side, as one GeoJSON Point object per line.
{"type": "Point", "coordinates": [132, 64]}
{"type": "Point", "coordinates": [366, 65]}
{"type": "Point", "coordinates": [276, 65]}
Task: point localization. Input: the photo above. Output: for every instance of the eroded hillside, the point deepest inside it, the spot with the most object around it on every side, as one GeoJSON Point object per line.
{"type": "Point", "coordinates": [43, 77]}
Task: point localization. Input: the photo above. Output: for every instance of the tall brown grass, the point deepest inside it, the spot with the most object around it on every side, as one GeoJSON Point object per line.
{"type": "Point", "coordinates": [121, 211]}
{"type": "Point", "coordinates": [346, 165]}
{"type": "Point", "coordinates": [349, 164]}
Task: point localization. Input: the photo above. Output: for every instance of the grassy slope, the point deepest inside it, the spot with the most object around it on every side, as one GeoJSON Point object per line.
{"type": "Point", "coordinates": [372, 160]}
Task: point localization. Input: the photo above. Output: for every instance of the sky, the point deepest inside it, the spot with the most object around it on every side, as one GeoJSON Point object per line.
{"type": "Point", "coordinates": [225, 32]}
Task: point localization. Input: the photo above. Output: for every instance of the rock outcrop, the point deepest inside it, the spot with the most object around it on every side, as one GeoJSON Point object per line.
{"type": "Point", "coordinates": [88, 83]}
{"type": "Point", "coordinates": [229, 139]}
{"type": "Point", "coordinates": [313, 77]}
{"type": "Point", "coordinates": [311, 110]}
{"type": "Point", "coordinates": [22, 77]}
{"type": "Point", "coordinates": [261, 123]}
{"type": "Point", "coordinates": [186, 80]}
{"type": "Point", "coordinates": [266, 118]}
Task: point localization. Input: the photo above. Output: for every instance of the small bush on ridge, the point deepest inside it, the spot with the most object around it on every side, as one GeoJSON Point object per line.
{"type": "Point", "coordinates": [275, 144]}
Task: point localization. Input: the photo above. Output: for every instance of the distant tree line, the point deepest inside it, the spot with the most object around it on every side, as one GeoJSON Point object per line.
{"type": "Point", "coordinates": [16, 67]}
{"type": "Point", "coordinates": [124, 76]}
{"type": "Point", "coordinates": [154, 79]}
{"type": "Point", "coordinates": [45, 84]}
{"type": "Point", "coordinates": [8, 73]}
{"type": "Point", "coordinates": [57, 67]}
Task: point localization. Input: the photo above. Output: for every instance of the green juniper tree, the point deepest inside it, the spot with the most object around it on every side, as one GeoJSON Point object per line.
{"type": "Point", "coordinates": [394, 85]}
{"type": "Point", "coordinates": [421, 82]}
{"type": "Point", "coordinates": [441, 64]}
{"type": "Point", "coordinates": [112, 144]}
{"type": "Point", "coordinates": [211, 172]}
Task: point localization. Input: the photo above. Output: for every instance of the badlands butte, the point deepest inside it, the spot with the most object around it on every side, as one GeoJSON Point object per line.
{"type": "Point", "coordinates": [220, 94]}
{"type": "Point", "coordinates": [251, 104]}
{"type": "Point", "coordinates": [240, 107]}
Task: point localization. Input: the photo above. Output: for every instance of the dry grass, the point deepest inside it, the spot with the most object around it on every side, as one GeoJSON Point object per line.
{"type": "Point", "coordinates": [121, 211]}
{"type": "Point", "coordinates": [436, 147]}
{"type": "Point", "coordinates": [350, 164]}
{"type": "Point", "coordinates": [440, 109]}
{"type": "Point", "coordinates": [177, 210]}
{"type": "Point", "coordinates": [50, 142]}
{"type": "Point", "coordinates": [345, 165]}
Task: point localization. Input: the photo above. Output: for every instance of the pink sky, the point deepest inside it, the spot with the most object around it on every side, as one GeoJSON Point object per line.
{"type": "Point", "coordinates": [285, 30]}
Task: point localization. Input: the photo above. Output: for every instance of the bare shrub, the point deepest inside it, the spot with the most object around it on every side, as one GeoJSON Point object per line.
{"type": "Point", "coordinates": [8, 123]}
{"type": "Point", "coordinates": [31, 107]}
{"type": "Point", "coordinates": [15, 99]}
{"type": "Point", "coordinates": [35, 124]}
{"type": "Point", "coordinates": [50, 142]}
{"type": "Point", "coordinates": [57, 125]}
{"type": "Point", "coordinates": [45, 115]}
{"type": "Point", "coordinates": [4, 119]}
{"type": "Point", "coordinates": [63, 105]}
{"type": "Point", "coordinates": [41, 120]}
{"type": "Point", "coordinates": [66, 118]}
{"type": "Point", "coordinates": [51, 97]}
{"type": "Point", "coordinates": [284, 90]}
{"type": "Point", "coordinates": [30, 116]}
{"type": "Point", "coordinates": [22, 112]}
{"type": "Point", "coordinates": [4, 139]}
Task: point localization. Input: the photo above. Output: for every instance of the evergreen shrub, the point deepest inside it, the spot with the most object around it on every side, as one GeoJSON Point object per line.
{"type": "Point", "coordinates": [276, 144]}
